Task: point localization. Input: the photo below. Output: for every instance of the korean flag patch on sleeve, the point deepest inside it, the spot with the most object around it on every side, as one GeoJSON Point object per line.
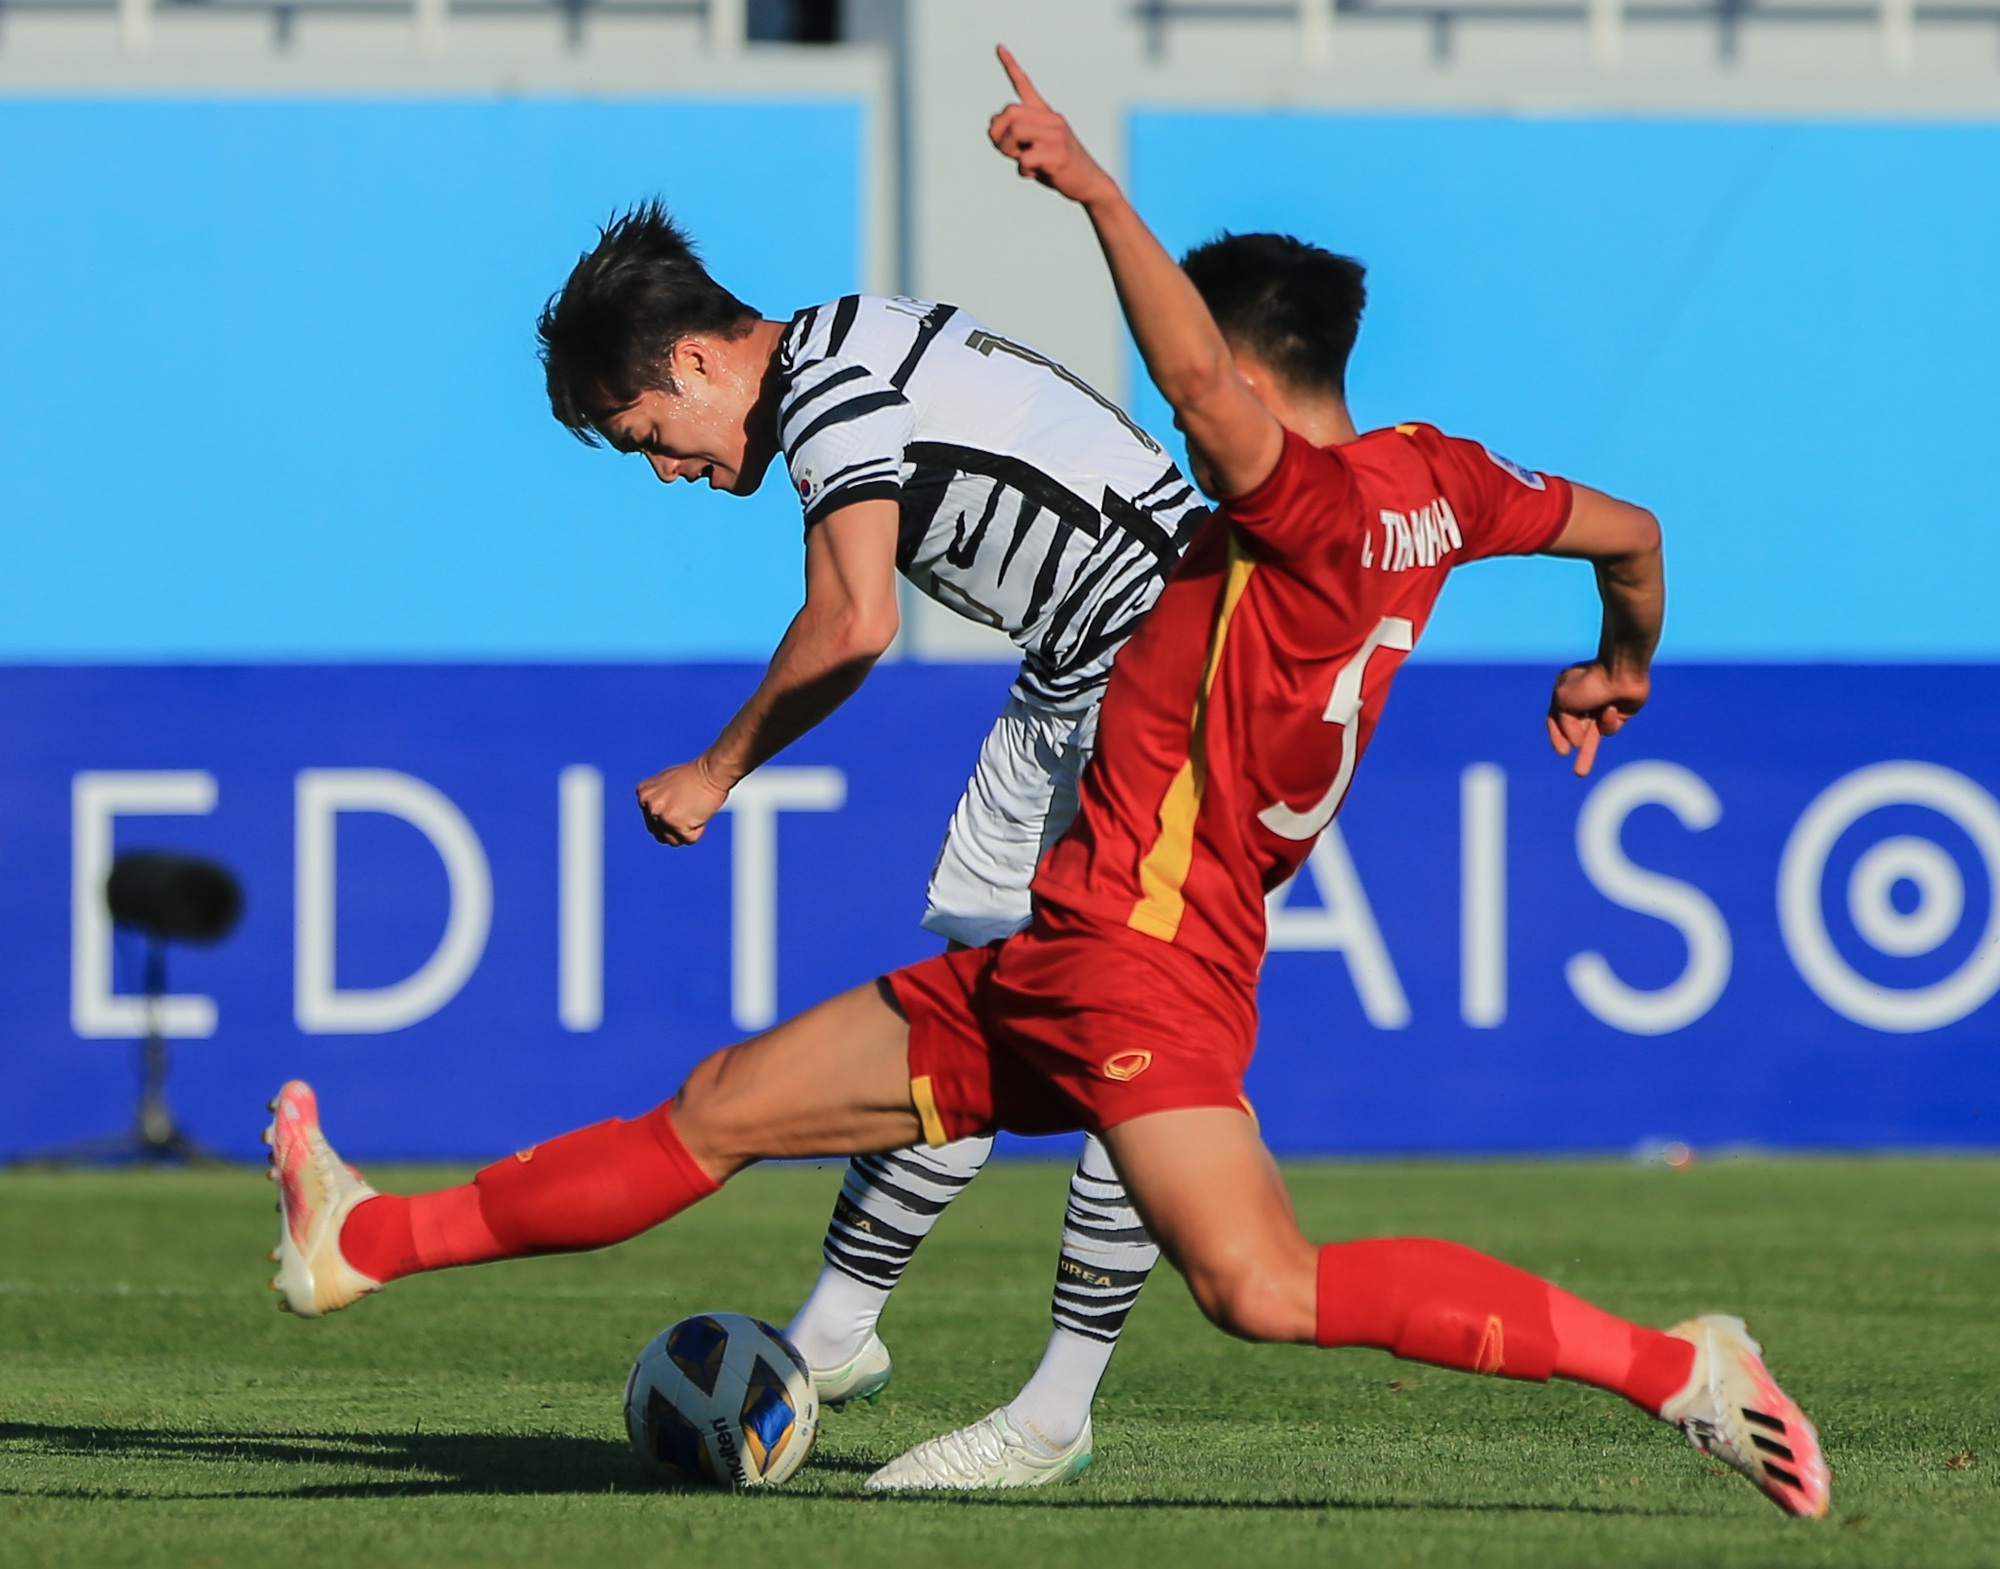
{"type": "Point", "coordinates": [1527, 477]}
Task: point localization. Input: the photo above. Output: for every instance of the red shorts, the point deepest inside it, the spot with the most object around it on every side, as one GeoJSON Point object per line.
{"type": "Point", "coordinates": [1071, 1025]}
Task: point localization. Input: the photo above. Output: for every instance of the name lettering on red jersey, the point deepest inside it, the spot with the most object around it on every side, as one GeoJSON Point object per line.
{"type": "Point", "coordinates": [1342, 708]}
{"type": "Point", "coordinates": [1421, 538]}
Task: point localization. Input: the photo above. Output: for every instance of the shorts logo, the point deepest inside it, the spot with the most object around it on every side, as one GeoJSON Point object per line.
{"type": "Point", "coordinates": [1127, 1065]}
{"type": "Point", "coordinates": [526, 1155]}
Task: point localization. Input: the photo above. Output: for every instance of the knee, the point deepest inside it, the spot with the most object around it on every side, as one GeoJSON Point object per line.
{"type": "Point", "coordinates": [701, 1093]}
{"type": "Point", "coordinates": [708, 1122]}
{"type": "Point", "coordinates": [1255, 1301]}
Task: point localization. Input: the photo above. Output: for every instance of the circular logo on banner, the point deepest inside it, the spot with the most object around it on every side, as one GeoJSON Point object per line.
{"type": "Point", "coordinates": [1923, 864]}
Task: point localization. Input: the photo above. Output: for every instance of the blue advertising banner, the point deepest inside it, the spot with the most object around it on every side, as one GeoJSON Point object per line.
{"type": "Point", "coordinates": [1771, 918]}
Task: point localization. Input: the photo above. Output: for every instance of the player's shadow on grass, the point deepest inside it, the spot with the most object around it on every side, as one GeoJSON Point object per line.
{"type": "Point", "coordinates": [418, 1464]}
{"type": "Point", "coordinates": [400, 1464]}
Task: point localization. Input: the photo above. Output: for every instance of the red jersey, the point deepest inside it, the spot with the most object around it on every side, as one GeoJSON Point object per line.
{"type": "Point", "coordinates": [1236, 714]}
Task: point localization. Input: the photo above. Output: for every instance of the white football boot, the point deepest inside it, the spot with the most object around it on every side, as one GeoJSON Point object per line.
{"type": "Point", "coordinates": [1734, 1410]}
{"type": "Point", "coordinates": [991, 1452]}
{"type": "Point", "coordinates": [862, 1377]}
{"type": "Point", "coordinates": [315, 1193]}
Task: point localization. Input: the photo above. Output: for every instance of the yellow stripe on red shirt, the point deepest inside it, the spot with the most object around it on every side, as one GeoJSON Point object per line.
{"type": "Point", "coordinates": [1163, 872]}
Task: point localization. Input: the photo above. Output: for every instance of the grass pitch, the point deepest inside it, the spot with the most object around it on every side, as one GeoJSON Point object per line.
{"type": "Point", "coordinates": [156, 1409]}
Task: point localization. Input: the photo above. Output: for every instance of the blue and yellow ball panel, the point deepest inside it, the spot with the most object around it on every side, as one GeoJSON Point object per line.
{"type": "Point", "coordinates": [778, 1339]}
{"type": "Point", "coordinates": [697, 1346]}
{"type": "Point", "coordinates": [677, 1443]}
{"type": "Point", "coordinates": [769, 1417]}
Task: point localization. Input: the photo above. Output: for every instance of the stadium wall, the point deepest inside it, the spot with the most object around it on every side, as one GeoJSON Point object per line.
{"type": "Point", "coordinates": [297, 572]}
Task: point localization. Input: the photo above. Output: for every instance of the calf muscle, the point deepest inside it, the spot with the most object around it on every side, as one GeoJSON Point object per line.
{"type": "Point", "coordinates": [833, 1081]}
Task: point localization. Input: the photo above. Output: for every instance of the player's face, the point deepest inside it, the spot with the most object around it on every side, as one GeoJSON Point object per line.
{"type": "Point", "coordinates": [698, 432]}
{"type": "Point", "coordinates": [681, 438]}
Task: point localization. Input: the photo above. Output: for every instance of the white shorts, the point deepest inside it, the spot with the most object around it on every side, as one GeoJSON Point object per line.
{"type": "Point", "coordinates": [1021, 797]}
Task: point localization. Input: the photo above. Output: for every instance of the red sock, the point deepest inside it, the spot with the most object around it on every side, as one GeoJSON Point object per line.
{"type": "Point", "coordinates": [587, 1189]}
{"type": "Point", "coordinates": [1439, 1302]}
{"type": "Point", "coordinates": [1647, 1366]}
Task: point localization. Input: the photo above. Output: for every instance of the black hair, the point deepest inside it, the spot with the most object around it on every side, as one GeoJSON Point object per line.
{"type": "Point", "coordinates": [609, 335]}
{"type": "Point", "coordinates": [1295, 306]}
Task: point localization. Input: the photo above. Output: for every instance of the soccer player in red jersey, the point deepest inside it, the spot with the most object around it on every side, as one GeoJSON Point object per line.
{"type": "Point", "coordinates": [1230, 732]}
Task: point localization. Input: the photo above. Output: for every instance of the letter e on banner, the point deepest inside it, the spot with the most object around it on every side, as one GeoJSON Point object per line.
{"type": "Point", "coordinates": [96, 800]}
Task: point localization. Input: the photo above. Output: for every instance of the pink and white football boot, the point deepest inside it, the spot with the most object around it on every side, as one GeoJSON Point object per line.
{"type": "Point", "coordinates": [1733, 1409]}
{"type": "Point", "coordinates": [316, 1191]}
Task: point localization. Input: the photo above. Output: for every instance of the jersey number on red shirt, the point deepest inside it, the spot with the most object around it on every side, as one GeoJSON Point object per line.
{"type": "Point", "coordinates": [1342, 709]}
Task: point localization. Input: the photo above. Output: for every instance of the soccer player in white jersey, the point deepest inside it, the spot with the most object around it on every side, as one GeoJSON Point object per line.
{"type": "Point", "coordinates": [1011, 492]}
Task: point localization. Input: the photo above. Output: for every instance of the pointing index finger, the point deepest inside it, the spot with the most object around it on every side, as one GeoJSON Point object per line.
{"type": "Point", "coordinates": [1019, 77]}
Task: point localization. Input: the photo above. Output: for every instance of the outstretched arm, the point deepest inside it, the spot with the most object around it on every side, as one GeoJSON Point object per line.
{"type": "Point", "coordinates": [1235, 437]}
{"type": "Point", "coordinates": [1594, 700]}
{"type": "Point", "coordinates": [847, 623]}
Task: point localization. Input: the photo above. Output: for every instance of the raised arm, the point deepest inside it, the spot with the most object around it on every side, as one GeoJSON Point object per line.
{"type": "Point", "coordinates": [847, 622]}
{"type": "Point", "coordinates": [1594, 700]}
{"type": "Point", "coordinates": [1233, 436]}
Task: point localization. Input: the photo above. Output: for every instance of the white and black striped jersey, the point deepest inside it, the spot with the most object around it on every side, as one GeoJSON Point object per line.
{"type": "Point", "coordinates": [1029, 501]}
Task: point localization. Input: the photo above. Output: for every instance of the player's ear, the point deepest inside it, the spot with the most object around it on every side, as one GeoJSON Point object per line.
{"type": "Point", "coordinates": [691, 360]}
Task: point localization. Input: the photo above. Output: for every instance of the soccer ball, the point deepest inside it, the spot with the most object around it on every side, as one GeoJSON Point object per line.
{"type": "Point", "coordinates": [721, 1400]}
